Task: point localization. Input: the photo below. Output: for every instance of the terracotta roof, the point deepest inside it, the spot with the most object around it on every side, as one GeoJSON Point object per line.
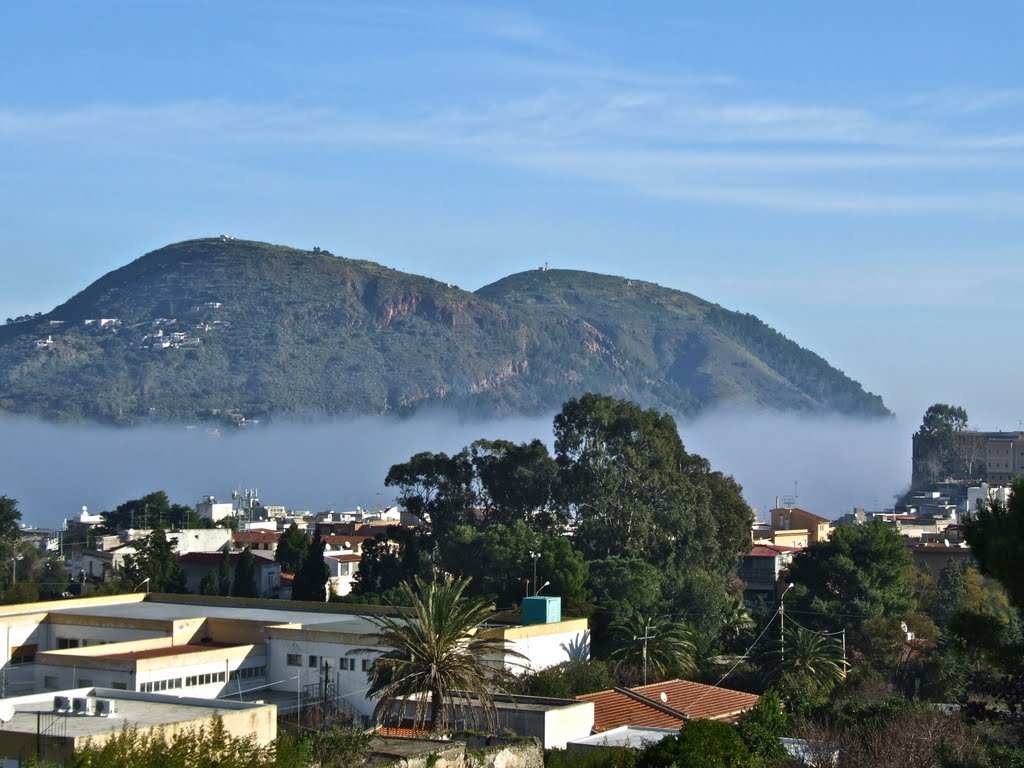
{"type": "Point", "coordinates": [339, 540]}
{"type": "Point", "coordinates": [666, 705]}
{"type": "Point", "coordinates": [767, 550]}
{"type": "Point", "coordinates": [255, 537]}
{"type": "Point", "coordinates": [345, 558]}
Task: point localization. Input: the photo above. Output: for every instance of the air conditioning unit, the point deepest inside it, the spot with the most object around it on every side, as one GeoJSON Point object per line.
{"type": "Point", "coordinates": [105, 707]}
{"type": "Point", "coordinates": [79, 705]}
{"type": "Point", "coordinates": [61, 703]}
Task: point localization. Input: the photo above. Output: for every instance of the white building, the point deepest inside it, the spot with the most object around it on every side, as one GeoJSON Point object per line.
{"type": "Point", "coordinates": [210, 509]}
{"type": "Point", "coordinates": [224, 647]}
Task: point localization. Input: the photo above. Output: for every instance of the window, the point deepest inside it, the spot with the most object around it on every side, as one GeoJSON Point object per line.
{"type": "Point", "coordinates": [208, 678]}
{"type": "Point", "coordinates": [161, 685]}
{"type": "Point", "coordinates": [67, 642]}
{"type": "Point", "coordinates": [50, 682]}
{"type": "Point", "coordinates": [248, 673]}
{"type": "Point", "coordinates": [294, 660]}
{"type": "Point", "coordinates": [346, 663]}
{"type": "Point", "coordinates": [367, 663]}
{"type": "Point", "coordinates": [314, 661]}
{"type": "Point", "coordinates": [84, 682]}
{"type": "Point", "coordinates": [119, 686]}
{"type": "Point", "coordinates": [23, 654]}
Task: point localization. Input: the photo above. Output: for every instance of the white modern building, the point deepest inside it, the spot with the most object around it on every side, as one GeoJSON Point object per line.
{"type": "Point", "coordinates": [207, 647]}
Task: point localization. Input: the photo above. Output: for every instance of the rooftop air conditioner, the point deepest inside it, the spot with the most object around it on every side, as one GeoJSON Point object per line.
{"type": "Point", "coordinates": [61, 703]}
{"type": "Point", "coordinates": [105, 707]}
{"type": "Point", "coordinates": [79, 705]}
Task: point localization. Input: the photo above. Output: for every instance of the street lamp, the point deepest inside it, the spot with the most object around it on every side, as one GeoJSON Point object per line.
{"type": "Point", "coordinates": [782, 619]}
{"type": "Point", "coordinates": [536, 557]}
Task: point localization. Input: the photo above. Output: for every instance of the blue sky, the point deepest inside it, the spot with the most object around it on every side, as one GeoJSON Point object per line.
{"type": "Point", "coordinates": [850, 173]}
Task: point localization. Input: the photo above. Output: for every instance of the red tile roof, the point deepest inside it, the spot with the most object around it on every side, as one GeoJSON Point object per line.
{"type": "Point", "coordinates": [344, 558]}
{"type": "Point", "coordinates": [256, 537]}
{"type": "Point", "coordinates": [339, 541]}
{"type": "Point", "coordinates": [768, 550]}
{"type": "Point", "coordinates": [666, 705]}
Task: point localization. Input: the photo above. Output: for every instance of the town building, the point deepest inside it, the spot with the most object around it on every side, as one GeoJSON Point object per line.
{"type": "Point", "coordinates": [670, 704]}
{"type": "Point", "coordinates": [289, 653]}
{"type": "Point", "coordinates": [52, 727]}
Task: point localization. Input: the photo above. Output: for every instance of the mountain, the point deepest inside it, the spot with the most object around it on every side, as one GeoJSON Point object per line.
{"type": "Point", "coordinates": [225, 328]}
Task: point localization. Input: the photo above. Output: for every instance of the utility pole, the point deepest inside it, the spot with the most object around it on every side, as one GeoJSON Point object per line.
{"type": "Point", "coordinates": [646, 636]}
{"type": "Point", "coordinates": [782, 621]}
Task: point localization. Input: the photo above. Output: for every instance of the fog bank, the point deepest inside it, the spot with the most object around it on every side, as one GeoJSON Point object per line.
{"type": "Point", "coordinates": [55, 469]}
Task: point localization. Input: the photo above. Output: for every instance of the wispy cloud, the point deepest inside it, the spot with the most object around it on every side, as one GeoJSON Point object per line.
{"type": "Point", "coordinates": [694, 143]}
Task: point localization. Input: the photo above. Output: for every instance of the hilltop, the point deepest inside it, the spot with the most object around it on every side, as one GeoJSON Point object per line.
{"type": "Point", "coordinates": [232, 329]}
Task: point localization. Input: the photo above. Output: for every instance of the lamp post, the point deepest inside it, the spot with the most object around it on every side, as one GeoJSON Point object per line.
{"type": "Point", "coordinates": [782, 620]}
{"type": "Point", "coordinates": [536, 556]}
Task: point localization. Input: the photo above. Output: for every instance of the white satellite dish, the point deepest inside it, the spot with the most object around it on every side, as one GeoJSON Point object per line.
{"type": "Point", "coordinates": [904, 627]}
{"type": "Point", "coordinates": [946, 542]}
{"type": "Point", "coordinates": [6, 711]}
{"type": "Point", "coordinates": [664, 698]}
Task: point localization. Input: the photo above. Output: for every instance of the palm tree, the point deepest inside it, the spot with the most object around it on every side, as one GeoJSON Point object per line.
{"type": "Point", "coordinates": [654, 644]}
{"type": "Point", "coordinates": [809, 658]}
{"type": "Point", "coordinates": [736, 621]}
{"type": "Point", "coordinates": [438, 657]}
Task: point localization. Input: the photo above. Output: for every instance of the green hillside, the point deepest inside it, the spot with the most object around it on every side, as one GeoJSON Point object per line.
{"type": "Point", "coordinates": [223, 329]}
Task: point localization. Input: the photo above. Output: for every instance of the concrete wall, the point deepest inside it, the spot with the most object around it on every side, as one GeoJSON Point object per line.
{"type": "Point", "coordinates": [545, 645]}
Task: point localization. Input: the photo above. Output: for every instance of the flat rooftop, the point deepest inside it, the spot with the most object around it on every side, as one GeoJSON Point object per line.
{"type": "Point", "coordinates": [170, 611]}
{"type": "Point", "coordinates": [174, 650]}
{"type": "Point", "coordinates": [132, 710]}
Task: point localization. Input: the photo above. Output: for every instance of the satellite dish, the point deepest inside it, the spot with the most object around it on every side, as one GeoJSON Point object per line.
{"type": "Point", "coordinates": [946, 542]}
{"type": "Point", "coordinates": [664, 698]}
{"type": "Point", "coordinates": [904, 627]}
{"type": "Point", "coordinates": [6, 711]}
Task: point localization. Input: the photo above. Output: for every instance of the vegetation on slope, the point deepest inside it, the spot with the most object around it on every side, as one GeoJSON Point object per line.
{"type": "Point", "coordinates": [228, 328]}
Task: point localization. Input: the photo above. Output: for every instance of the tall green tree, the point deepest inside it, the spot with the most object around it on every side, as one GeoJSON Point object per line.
{"type": "Point", "coordinates": [154, 510]}
{"type": "Point", "coordinates": [438, 659]}
{"type": "Point", "coordinates": [311, 580]}
{"type": "Point", "coordinates": [436, 488]}
{"type": "Point", "coordinates": [244, 584]}
{"type": "Point", "coordinates": [622, 480]}
{"type": "Point", "coordinates": [634, 491]}
{"type": "Point", "coordinates": [942, 447]}
{"type": "Point", "coordinates": [517, 481]}
{"type": "Point", "coordinates": [860, 572]}
{"type": "Point", "coordinates": [292, 549]}
{"type": "Point", "coordinates": [155, 560]}
{"type": "Point", "coordinates": [996, 536]}
{"type": "Point", "coordinates": [621, 586]}
{"type": "Point", "coordinates": [224, 574]}
{"type": "Point", "coordinates": [393, 557]}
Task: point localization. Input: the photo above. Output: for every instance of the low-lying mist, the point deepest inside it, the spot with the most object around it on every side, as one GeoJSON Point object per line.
{"type": "Point", "coordinates": [831, 464]}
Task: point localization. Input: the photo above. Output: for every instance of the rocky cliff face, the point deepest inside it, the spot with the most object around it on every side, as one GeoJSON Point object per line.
{"type": "Point", "coordinates": [222, 325]}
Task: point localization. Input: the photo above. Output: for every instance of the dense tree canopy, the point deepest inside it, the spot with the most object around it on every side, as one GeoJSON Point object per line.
{"type": "Point", "coordinates": [311, 580]}
{"type": "Point", "coordinates": [996, 536]}
{"type": "Point", "coordinates": [861, 572]}
{"type": "Point", "coordinates": [155, 560]}
{"type": "Point", "coordinates": [292, 549]}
